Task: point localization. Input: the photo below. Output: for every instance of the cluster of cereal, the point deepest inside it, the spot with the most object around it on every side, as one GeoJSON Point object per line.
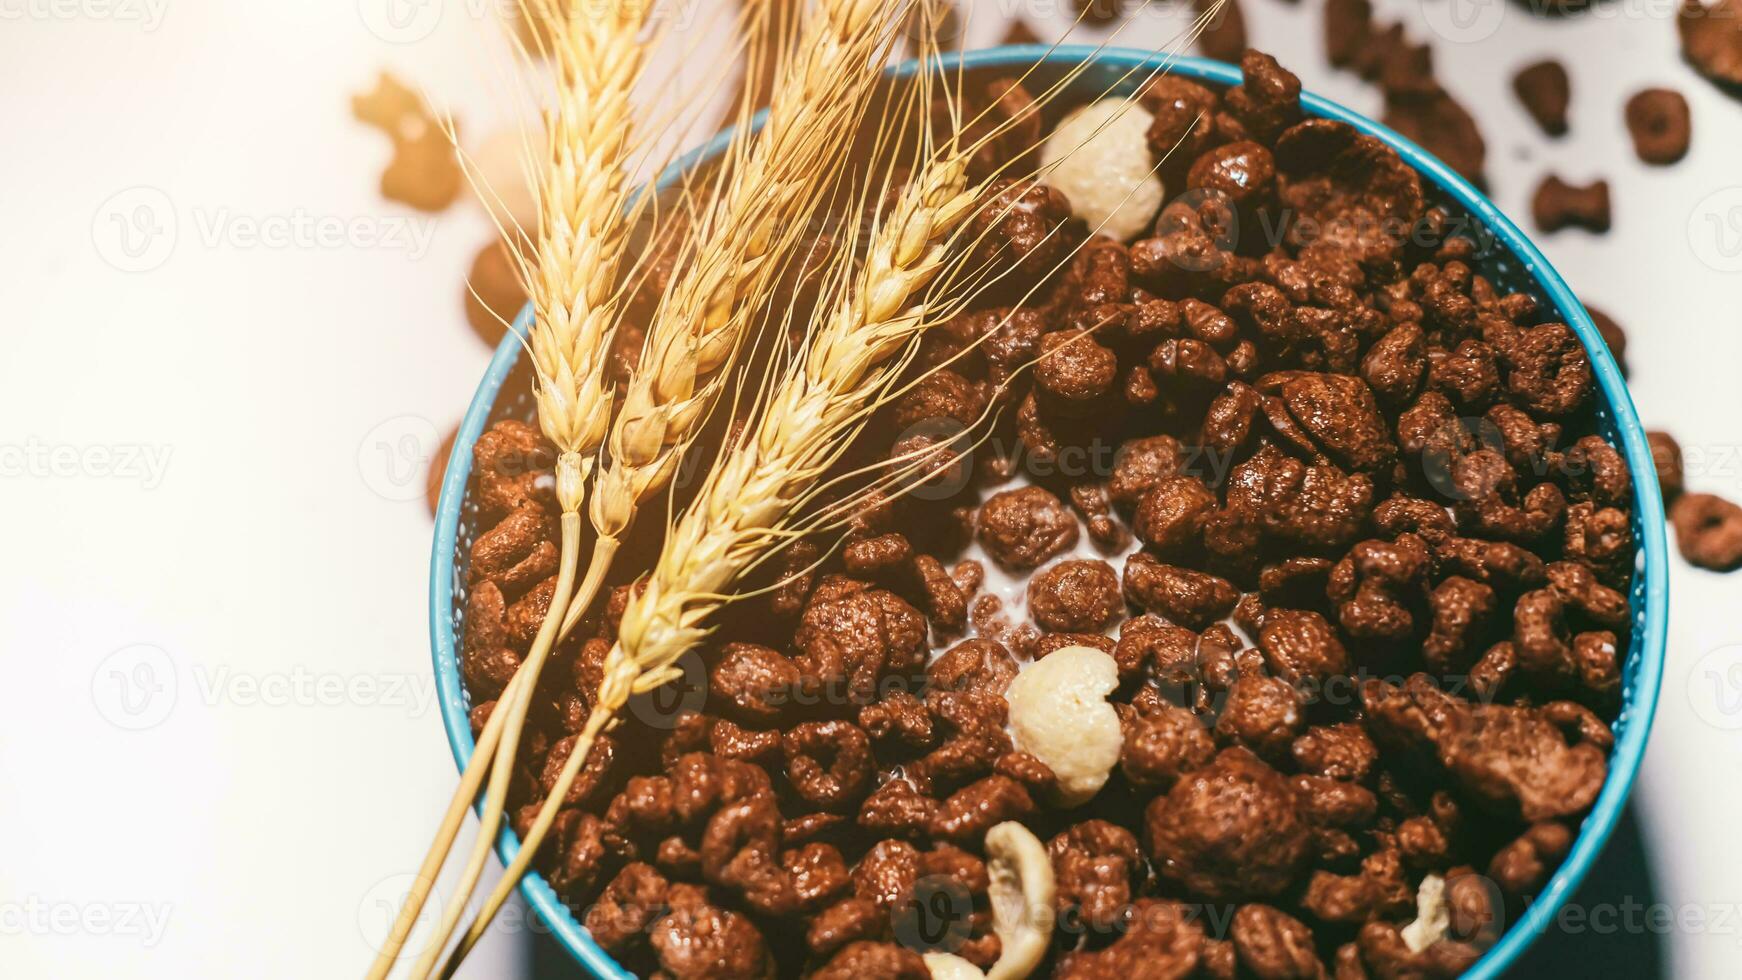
{"type": "Point", "coordinates": [1359, 658]}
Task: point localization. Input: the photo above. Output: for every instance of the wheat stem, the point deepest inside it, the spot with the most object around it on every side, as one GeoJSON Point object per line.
{"type": "Point", "coordinates": [760, 481]}
{"type": "Point", "coordinates": [573, 282]}
{"type": "Point", "coordinates": [502, 772]}
{"type": "Point", "coordinates": [702, 320]}
{"type": "Point", "coordinates": [470, 781]}
{"type": "Point", "coordinates": [579, 244]}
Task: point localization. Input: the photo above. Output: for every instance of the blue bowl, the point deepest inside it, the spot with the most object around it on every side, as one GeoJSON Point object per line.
{"type": "Point", "coordinates": [1514, 263]}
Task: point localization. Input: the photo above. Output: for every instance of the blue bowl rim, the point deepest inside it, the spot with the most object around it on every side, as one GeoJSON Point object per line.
{"type": "Point", "coordinates": [1629, 749]}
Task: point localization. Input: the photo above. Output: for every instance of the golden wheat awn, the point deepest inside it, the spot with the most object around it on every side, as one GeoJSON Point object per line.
{"type": "Point", "coordinates": [581, 241]}
{"type": "Point", "coordinates": [746, 503]}
{"type": "Point", "coordinates": [578, 245]}
{"type": "Point", "coordinates": [732, 262]}
{"type": "Point", "coordinates": [803, 430]}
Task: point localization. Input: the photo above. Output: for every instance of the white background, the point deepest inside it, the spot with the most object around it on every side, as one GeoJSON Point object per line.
{"type": "Point", "coordinates": [255, 598]}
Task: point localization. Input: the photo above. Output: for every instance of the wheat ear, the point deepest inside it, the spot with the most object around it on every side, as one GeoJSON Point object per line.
{"type": "Point", "coordinates": [578, 245]}
{"type": "Point", "coordinates": [702, 322]}
{"type": "Point", "coordinates": [732, 265]}
{"type": "Point", "coordinates": [749, 500]}
{"type": "Point", "coordinates": [804, 427]}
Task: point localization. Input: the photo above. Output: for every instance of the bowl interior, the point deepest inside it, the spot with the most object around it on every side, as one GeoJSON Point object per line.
{"type": "Point", "coordinates": [1511, 261]}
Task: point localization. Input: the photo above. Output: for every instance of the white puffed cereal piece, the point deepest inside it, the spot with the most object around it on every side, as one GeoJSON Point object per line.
{"type": "Point", "coordinates": [1432, 917]}
{"type": "Point", "coordinates": [1060, 715]}
{"type": "Point", "coordinates": [949, 966]}
{"type": "Point", "coordinates": [1100, 157]}
{"type": "Point", "coordinates": [1021, 892]}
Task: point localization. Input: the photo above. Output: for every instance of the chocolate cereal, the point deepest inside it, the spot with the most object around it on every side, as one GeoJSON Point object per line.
{"type": "Point", "coordinates": [1658, 121]}
{"type": "Point", "coordinates": [1348, 626]}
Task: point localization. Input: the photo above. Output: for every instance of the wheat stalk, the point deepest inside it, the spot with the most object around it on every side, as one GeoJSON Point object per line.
{"type": "Point", "coordinates": [702, 320]}
{"type": "Point", "coordinates": [804, 427]}
{"type": "Point", "coordinates": [746, 504]}
{"type": "Point", "coordinates": [579, 242]}
{"type": "Point", "coordinates": [747, 501]}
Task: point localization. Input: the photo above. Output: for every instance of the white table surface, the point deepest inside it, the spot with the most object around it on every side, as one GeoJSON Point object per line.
{"type": "Point", "coordinates": [221, 755]}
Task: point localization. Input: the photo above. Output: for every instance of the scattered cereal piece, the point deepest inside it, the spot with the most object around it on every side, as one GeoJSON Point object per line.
{"type": "Point", "coordinates": [948, 28]}
{"type": "Point", "coordinates": [1545, 91]}
{"type": "Point", "coordinates": [1020, 33]}
{"type": "Point", "coordinates": [500, 167]}
{"type": "Point", "coordinates": [1100, 12]}
{"type": "Point", "coordinates": [1060, 715]}
{"type": "Point", "coordinates": [1442, 126]}
{"type": "Point", "coordinates": [438, 468]}
{"type": "Point", "coordinates": [1224, 37]}
{"type": "Point", "coordinates": [1558, 205]}
{"type": "Point", "coordinates": [1666, 458]}
{"type": "Point", "coordinates": [1659, 122]}
{"type": "Point", "coordinates": [493, 294]}
{"type": "Point", "coordinates": [424, 171]}
{"type": "Point", "coordinates": [1708, 529]}
{"type": "Point", "coordinates": [1712, 39]}
{"type": "Point", "coordinates": [1099, 157]}
{"type": "Point", "coordinates": [1348, 28]}
{"type": "Point", "coordinates": [1613, 335]}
